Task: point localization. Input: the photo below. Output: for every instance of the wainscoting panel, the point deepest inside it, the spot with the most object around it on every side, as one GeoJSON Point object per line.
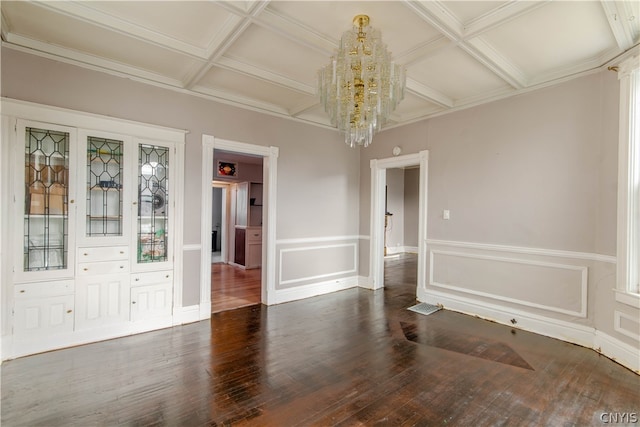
{"type": "Point", "coordinates": [627, 325]}
{"type": "Point", "coordinates": [545, 285]}
{"type": "Point", "coordinates": [317, 263]}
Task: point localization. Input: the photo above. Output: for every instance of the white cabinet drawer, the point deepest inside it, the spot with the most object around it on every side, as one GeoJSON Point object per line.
{"type": "Point", "coordinates": [106, 267]}
{"type": "Point", "coordinates": [139, 279]}
{"type": "Point", "coordinates": [254, 235]}
{"type": "Point", "coordinates": [103, 253]}
{"type": "Point", "coordinates": [43, 289]}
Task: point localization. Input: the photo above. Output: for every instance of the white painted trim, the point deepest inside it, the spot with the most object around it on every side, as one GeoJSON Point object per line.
{"type": "Point", "coordinates": [206, 219]}
{"type": "Point", "coordinates": [178, 223]}
{"type": "Point", "coordinates": [183, 315]}
{"type": "Point", "coordinates": [301, 292]}
{"type": "Point", "coordinates": [84, 120]}
{"type": "Point", "coordinates": [628, 224]}
{"type": "Point", "coordinates": [524, 250]}
{"type": "Point", "coordinates": [378, 182]}
{"type": "Point", "coordinates": [304, 240]}
{"type": "Point", "coordinates": [583, 283]}
{"type": "Point", "coordinates": [566, 331]}
{"type": "Point", "coordinates": [353, 270]}
{"type": "Point", "coordinates": [270, 171]}
{"type": "Point", "coordinates": [617, 324]}
{"type": "Point", "coordinates": [614, 349]}
{"type": "Point", "coordinates": [583, 335]}
{"type": "Point", "coordinates": [191, 247]}
{"type": "Point", "coordinates": [363, 282]}
{"type": "Point", "coordinates": [627, 298]}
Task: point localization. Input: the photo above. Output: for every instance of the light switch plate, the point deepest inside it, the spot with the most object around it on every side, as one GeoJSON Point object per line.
{"type": "Point", "coordinates": [446, 214]}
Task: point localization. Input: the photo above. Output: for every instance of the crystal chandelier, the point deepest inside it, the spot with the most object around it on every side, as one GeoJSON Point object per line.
{"type": "Point", "coordinates": [360, 87]}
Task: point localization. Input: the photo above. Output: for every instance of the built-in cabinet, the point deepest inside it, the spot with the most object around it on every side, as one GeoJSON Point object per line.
{"type": "Point", "coordinates": [95, 230]}
{"type": "Point", "coordinates": [248, 225]}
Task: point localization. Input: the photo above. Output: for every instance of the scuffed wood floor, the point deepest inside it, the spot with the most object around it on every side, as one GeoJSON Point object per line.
{"type": "Point", "coordinates": [351, 358]}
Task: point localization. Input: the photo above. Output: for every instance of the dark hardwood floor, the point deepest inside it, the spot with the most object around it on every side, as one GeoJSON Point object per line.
{"type": "Point", "coordinates": [351, 358]}
{"type": "Point", "coordinates": [232, 287]}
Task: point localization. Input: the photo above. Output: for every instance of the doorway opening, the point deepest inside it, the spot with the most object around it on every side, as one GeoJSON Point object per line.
{"type": "Point", "coordinates": [236, 263]}
{"type": "Point", "coordinates": [238, 224]}
{"type": "Point", "coordinates": [386, 173]}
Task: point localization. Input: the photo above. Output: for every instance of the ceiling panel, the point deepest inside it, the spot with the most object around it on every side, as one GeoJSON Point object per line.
{"type": "Point", "coordinates": [466, 11]}
{"type": "Point", "coordinates": [62, 31]}
{"type": "Point", "coordinates": [456, 74]}
{"type": "Point", "coordinates": [248, 87]}
{"type": "Point", "coordinates": [256, 47]}
{"type": "Point", "coordinates": [193, 22]}
{"type": "Point", "coordinates": [556, 35]}
{"type": "Point", "coordinates": [265, 54]}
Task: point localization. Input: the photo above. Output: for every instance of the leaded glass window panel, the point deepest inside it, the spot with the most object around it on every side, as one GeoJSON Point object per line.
{"type": "Point", "coordinates": [104, 187]}
{"type": "Point", "coordinates": [153, 203]}
{"type": "Point", "coordinates": [46, 228]}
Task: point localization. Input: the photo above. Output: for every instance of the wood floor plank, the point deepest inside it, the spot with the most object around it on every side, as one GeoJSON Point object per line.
{"type": "Point", "coordinates": [336, 359]}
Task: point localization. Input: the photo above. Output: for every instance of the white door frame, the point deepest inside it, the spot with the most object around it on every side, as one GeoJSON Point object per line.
{"type": "Point", "coordinates": [224, 224]}
{"type": "Point", "coordinates": [269, 176]}
{"type": "Point", "coordinates": [378, 183]}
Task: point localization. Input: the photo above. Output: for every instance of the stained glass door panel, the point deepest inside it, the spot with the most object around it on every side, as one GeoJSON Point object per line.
{"type": "Point", "coordinates": [46, 213]}
{"type": "Point", "coordinates": [153, 203]}
{"type": "Point", "coordinates": [104, 187]}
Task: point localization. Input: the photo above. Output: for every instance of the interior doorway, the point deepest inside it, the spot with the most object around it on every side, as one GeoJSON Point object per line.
{"type": "Point", "coordinates": [245, 174]}
{"type": "Point", "coordinates": [379, 216]}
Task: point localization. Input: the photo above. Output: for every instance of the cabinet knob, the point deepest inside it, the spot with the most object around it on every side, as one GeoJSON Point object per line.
{"type": "Point", "coordinates": [167, 276]}
{"type": "Point", "coordinates": [85, 269]}
{"type": "Point", "coordinates": [133, 302]}
{"type": "Point", "coordinates": [85, 254]}
{"type": "Point", "coordinates": [122, 266]}
{"type": "Point", "coordinates": [72, 201]}
{"type": "Point", "coordinates": [137, 279]}
{"type": "Point", "coordinates": [22, 291]}
{"type": "Point", "coordinates": [121, 252]}
{"type": "Point", "coordinates": [135, 203]}
{"type": "Point", "coordinates": [69, 311]}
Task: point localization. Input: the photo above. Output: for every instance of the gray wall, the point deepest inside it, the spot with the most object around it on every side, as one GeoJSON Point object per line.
{"type": "Point", "coordinates": [411, 194]}
{"type": "Point", "coordinates": [318, 175]}
{"type": "Point", "coordinates": [537, 171]}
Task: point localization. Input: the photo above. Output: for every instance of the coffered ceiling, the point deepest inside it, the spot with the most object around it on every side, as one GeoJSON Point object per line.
{"type": "Point", "coordinates": [264, 55]}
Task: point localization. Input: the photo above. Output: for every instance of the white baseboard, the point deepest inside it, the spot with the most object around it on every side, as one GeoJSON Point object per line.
{"type": "Point", "coordinates": [583, 335]}
{"type": "Point", "coordinates": [621, 352]}
{"type": "Point", "coordinates": [365, 282]}
{"type": "Point", "coordinates": [280, 296]}
{"type": "Point", "coordinates": [402, 250]}
{"type": "Point", "coordinates": [189, 314]}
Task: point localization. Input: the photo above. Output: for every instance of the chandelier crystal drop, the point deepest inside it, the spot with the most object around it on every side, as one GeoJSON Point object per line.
{"type": "Point", "coordinates": [361, 86]}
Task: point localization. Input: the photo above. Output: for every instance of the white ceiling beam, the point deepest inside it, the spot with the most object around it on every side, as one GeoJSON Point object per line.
{"type": "Point", "coordinates": [623, 23]}
{"type": "Point", "coordinates": [295, 31]}
{"type": "Point", "coordinates": [437, 15]}
{"type": "Point", "coordinates": [5, 28]}
{"type": "Point", "coordinates": [264, 75]}
{"type": "Point", "coordinates": [85, 13]}
{"type": "Point", "coordinates": [485, 53]}
{"type": "Point", "coordinates": [429, 94]}
{"type": "Point", "coordinates": [303, 107]}
{"type": "Point", "coordinates": [500, 15]}
{"type": "Point", "coordinates": [241, 100]}
{"type": "Point", "coordinates": [423, 51]}
{"type": "Point", "coordinates": [90, 61]}
{"type": "Point", "coordinates": [233, 28]}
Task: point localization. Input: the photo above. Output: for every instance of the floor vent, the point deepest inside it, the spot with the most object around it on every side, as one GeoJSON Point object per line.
{"type": "Point", "coordinates": [424, 308]}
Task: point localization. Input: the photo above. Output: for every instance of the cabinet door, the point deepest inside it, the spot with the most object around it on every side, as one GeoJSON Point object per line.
{"type": "Point", "coordinates": [152, 300]}
{"type": "Point", "coordinates": [44, 201]}
{"type": "Point", "coordinates": [102, 301]}
{"type": "Point", "coordinates": [43, 311]}
{"type": "Point", "coordinates": [154, 225]}
{"type": "Point", "coordinates": [106, 188]}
